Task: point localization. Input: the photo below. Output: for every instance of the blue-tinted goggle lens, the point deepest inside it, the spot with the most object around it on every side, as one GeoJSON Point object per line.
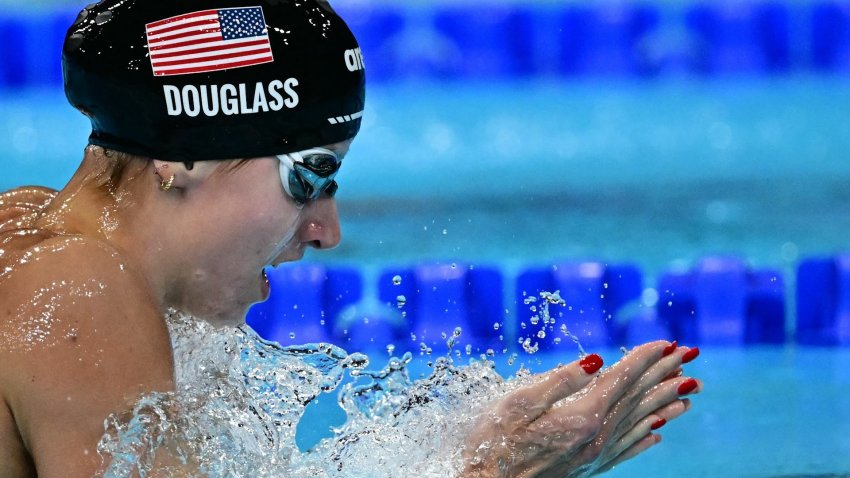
{"type": "Point", "coordinates": [306, 175]}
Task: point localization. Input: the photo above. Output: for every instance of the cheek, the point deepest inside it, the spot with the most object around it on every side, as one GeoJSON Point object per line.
{"type": "Point", "coordinates": [266, 226]}
{"type": "Point", "coordinates": [251, 221]}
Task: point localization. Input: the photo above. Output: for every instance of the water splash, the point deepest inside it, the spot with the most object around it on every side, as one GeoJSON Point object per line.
{"type": "Point", "coordinates": [239, 398]}
{"type": "Point", "coordinates": [543, 322]}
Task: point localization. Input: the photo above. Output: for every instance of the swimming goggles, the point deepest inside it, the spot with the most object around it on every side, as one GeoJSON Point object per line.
{"type": "Point", "coordinates": [307, 174]}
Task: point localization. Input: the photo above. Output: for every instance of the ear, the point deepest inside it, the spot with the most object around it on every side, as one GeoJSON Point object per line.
{"type": "Point", "coordinates": [184, 178]}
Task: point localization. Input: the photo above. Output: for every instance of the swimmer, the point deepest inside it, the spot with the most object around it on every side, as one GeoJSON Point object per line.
{"type": "Point", "coordinates": [217, 132]}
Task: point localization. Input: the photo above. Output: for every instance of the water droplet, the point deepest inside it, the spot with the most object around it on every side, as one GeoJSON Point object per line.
{"type": "Point", "coordinates": [292, 335]}
{"type": "Point", "coordinates": [528, 347]}
{"type": "Point", "coordinates": [496, 326]}
{"type": "Point", "coordinates": [400, 301]}
{"type": "Point", "coordinates": [397, 280]}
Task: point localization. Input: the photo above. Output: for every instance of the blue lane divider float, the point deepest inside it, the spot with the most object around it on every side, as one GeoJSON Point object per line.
{"type": "Point", "coordinates": [594, 294]}
{"type": "Point", "coordinates": [521, 40]}
{"type": "Point", "coordinates": [720, 301]}
{"type": "Point", "coordinates": [31, 48]}
{"type": "Point", "coordinates": [823, 301]}
{"type": "Point", "coordinates": [723, 302]}
{"type": "Point", "coordinates": [304, 301]}
{"type": "Point", "coordinates": [492, 42]}
{"type": "Point", "coordinates": [438, 298]}
{"type": "Point", "coordinates": [830, 27]}
{"type": "Point", "coordinates": [13, 60]}
{"type": "Point", "coordinates": [741, 37]}
{"type": "Point", "coordinates": [606, 40]}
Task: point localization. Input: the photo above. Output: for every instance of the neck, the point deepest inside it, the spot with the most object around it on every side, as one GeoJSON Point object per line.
{"type": "Point", "coordinates": [111, 199]}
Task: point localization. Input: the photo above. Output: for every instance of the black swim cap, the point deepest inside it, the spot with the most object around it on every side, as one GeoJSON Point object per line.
{"type": "Point", "coordinates": [195, 80]}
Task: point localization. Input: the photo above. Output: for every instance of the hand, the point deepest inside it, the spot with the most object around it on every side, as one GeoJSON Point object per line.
{"type": "Point", "coordinates": [571, 423]}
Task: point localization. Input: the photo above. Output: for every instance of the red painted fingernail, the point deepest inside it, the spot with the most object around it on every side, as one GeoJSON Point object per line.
{"type": "Point", "coordinates": [591, 364]}
{"type": "Point", "coordinates": [690, 355]}
{"type": "Point", "coordinates": [687, 386]}
{"type": "Point", "coordinates": [658, 424]}
{"type": "Point", "coordinates": [670, 348]}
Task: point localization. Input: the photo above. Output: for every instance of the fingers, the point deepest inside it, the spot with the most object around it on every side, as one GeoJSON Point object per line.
{"type": "Point", "coordinates": [650, 423]}
{"type": "Point", "coordinates": [554, 386]}
{"type": "Point", "coordinates": [656, 388]}
{"type": "Point", "coordinates": [621, 377]}
{"type": "Point", "coordinates": [667, 368]}
{"type": "Point", "coordinates": [632, 422]}
{"type": "Point", "coordinates": [645, 443]}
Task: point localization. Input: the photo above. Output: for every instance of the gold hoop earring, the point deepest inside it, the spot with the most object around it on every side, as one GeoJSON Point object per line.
{"type": "Point", "coordinates": [166, 185]}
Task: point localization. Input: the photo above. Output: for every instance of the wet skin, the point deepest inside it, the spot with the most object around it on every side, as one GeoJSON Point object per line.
{"type": "Point", "coordinates": [86, 275]}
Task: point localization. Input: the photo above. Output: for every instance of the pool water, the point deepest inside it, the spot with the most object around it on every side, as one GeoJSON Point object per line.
{"type": "Point", "coordinates": [764, 412]}
{"type": "Point", "coordinates": [653, 173]}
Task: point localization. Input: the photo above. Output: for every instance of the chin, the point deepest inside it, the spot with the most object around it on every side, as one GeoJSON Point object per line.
{"type": "Point", "coordinates": [224, 303]}
{"type": "Point", "coordinates": [228, 312]}
{"type": "Point", "coordinates": [231, 317]}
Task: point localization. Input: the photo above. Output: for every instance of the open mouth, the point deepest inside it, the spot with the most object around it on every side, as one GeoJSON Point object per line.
{"type": "Point", "coordinates": [265, 288]}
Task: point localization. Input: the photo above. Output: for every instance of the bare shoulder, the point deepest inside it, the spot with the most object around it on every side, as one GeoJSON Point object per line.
{"type": "Point", "coordinates": [83, 339]}
{"type": "Point", "coordinates": [20, 202]}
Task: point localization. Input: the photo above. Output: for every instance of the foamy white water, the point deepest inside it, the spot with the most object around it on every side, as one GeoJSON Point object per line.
{"type": "Point", "coordinates": [239, 399]}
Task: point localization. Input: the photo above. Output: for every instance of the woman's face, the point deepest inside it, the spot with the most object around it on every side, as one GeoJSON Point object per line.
{"type": "Point", "coordinates": [245, 221]}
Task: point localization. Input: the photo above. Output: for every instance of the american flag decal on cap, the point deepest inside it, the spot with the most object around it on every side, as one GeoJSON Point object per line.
{"type": "Point", "coordinates": [209, 40]}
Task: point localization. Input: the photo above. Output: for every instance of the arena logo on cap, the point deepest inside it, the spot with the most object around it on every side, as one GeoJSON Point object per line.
{"type": "Point", "coordinates": [213, 100]}
{"type": "Point", "coordinates": [354, 60]}
{"type": "Point", "coordinates": [208, 40]}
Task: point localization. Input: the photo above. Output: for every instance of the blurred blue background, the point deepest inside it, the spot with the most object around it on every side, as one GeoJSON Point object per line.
{"type": "Point", "coordinates": [676, 169]}
{"type": "Point", "coordinates": [526, 135]}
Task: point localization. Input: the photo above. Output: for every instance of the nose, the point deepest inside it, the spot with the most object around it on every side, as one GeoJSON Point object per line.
{"type": "Point", "coordinates": [321, 227]}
